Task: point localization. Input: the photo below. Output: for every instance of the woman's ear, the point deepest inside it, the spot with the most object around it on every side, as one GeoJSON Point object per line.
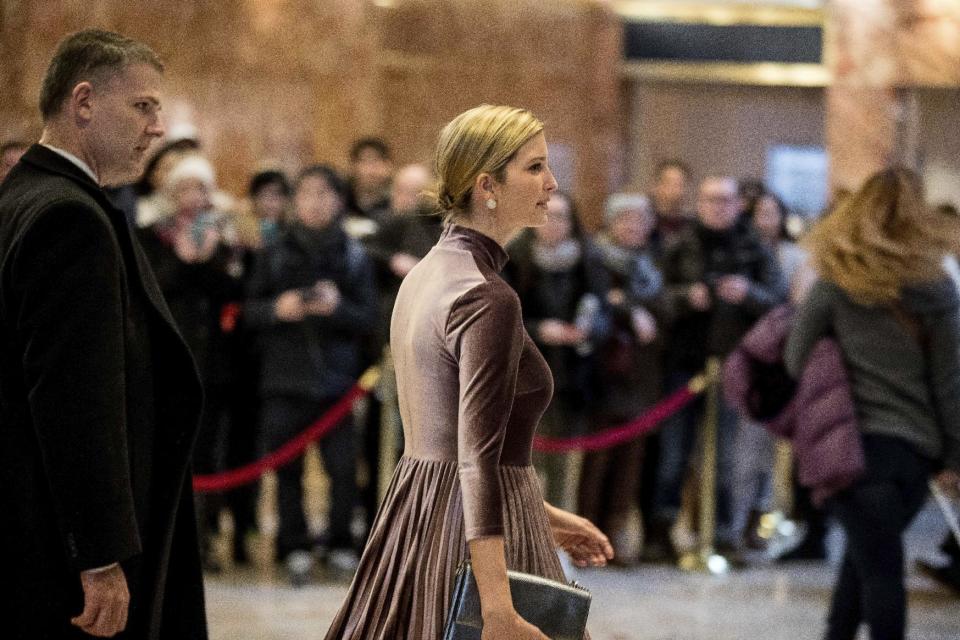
{"type": "Point", "coordinates": [483, 185]}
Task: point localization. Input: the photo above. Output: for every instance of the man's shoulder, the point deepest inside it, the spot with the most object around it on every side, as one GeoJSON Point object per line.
{"type": "Point", "coordinates": [31, 196]}
{"type": "Point", "coordinates": [33, 189]}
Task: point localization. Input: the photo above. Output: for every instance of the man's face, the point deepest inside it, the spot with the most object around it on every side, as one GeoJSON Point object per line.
{"type": "Point", "coordinates": [124, 118]}
{"type": "Point", "coordinates": [632, 228]}
{"type": "Point", "coordinates": [371, 170]}
{"type": "Point", "coordinates": [270, 202]}
{"type": "Point", "coordinates": [718, 204]}
{"type": "Point", "coordinates": [406, 191]}
{"type": "Point", "coordinates": [191, 196]}
{"type": "Point", "coordinates": [559, 224]}
{"type": "Point", "coordinates": [670, 189]}
{"type": "Point", "coordinates": [316, 202]}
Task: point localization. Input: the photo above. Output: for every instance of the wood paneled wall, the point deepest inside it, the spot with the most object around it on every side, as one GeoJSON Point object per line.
{"type": "Point", "coordinates": [285, 82]}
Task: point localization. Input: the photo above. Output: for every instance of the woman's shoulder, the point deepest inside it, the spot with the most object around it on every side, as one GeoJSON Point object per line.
{"type": "Point", "coordinates": [823, 289]}
{"type": "Point", "coordinates": [493, 292]}
{"type": "Point", "coordinates": [933, 297]}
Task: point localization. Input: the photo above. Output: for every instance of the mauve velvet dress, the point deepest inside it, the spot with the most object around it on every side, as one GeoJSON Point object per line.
{"type": "Point", "coordinates": [472, 387]}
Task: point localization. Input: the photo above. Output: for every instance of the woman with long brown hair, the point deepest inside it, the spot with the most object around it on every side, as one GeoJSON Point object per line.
{"type": "Point", "coordinates": [884, 296]}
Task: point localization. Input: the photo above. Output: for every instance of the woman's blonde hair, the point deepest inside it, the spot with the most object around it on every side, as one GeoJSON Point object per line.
{"type": "Point", "coordinates": [881, 238]}
{"type": "Point", "coordinates": [481, 140]}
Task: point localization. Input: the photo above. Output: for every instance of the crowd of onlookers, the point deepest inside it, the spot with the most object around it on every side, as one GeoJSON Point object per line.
{"type": "Point", "coordinates": [285, 298]}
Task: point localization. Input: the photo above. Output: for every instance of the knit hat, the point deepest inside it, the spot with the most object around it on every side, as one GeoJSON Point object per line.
{"type": "Point", "coordinates": [619, 203]}
{"type": "Point", "coordinates": [192, 166]}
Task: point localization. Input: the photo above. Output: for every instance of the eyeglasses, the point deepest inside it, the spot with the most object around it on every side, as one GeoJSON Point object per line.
{"type": "Point", "coordinates": [716, 199]}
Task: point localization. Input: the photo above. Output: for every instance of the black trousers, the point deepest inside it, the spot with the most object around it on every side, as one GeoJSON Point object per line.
{"type": "Point", "coordinates": [208, 459]}
{"type": "Point", "coordinates": [874, 513]}
{"type": "Point", "coordinates": [282, 418]}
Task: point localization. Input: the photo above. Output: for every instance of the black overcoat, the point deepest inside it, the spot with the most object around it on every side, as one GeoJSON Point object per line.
{"type": "Point", "coordinates": [99, 406]}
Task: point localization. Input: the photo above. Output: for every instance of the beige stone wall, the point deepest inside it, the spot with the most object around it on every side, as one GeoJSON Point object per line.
{"type": "Point", "coordinates": [289, 81]}
{"type": "Point", "coordinates": [717, 129]}
{"type": "Point", "coordinates": [881, 51]}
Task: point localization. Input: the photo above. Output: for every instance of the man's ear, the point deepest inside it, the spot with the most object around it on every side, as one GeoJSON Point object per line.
{"type": "Point", "coordinates": [81, 103]}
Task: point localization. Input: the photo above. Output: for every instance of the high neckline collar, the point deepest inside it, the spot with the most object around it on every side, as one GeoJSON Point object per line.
{"type": "Point", "coordinates": [480, 244]}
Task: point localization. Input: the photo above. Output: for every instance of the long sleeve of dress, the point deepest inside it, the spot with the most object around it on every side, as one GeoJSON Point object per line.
{"type": "Point", "coordinates": [485, 336]}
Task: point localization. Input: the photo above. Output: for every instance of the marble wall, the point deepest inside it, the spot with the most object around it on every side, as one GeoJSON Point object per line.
{"type": "Point", "coordinates": [717, 129]}
{"type": "Point", "coordinates": [881, 53]}
{"type": "Point", "coordinates": [283, 82]}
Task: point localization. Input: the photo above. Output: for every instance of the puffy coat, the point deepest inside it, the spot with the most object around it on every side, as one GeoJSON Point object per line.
{"type": "Point", "coordinates": [816, 413]}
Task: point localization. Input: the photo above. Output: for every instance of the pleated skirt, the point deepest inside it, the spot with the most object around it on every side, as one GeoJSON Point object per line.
{"type": "Point", "coordinates": [403, 586]}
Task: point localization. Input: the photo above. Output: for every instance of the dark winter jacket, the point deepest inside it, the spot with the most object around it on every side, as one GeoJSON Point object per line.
{"type": "Point", "coordinates": [559, 293]}
{"type": "Point", "coordinates": [99, 408]}
{"type": "Point", "coordinates": [701, 255]}
{"type": "Point", "coordinates": [630, 373]}
{"type": "Point", "coordinates": [321, 356]}
{"type": "Point", "coordinates": [196, 294]}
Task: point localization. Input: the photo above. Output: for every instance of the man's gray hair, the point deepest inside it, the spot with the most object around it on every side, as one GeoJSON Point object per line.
{"type": "Point", "coordinates": [85, 56]}
{"type": "Point", "coordinates": [619, 203]}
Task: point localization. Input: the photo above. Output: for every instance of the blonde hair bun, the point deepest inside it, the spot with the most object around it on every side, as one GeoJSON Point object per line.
{"type": "Point", "coordinates": [480, 140]}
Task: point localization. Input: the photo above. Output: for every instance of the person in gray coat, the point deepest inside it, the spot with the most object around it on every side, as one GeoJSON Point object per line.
{"type": "Point", "coordinates": [884, 296]}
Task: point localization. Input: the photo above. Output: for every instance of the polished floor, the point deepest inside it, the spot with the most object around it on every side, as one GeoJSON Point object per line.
{"type": "Point", "coordinates": [652, 602]}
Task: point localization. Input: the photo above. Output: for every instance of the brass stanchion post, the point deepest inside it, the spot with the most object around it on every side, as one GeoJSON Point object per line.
{"type": "Point", "coordinates": [778, 528]}
{"type": "Point", "coordinates": [706, 559]}
{"type": "Point", "coordinates": [389, 425]}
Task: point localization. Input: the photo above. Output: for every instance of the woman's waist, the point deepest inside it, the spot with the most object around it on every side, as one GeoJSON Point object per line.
{"type": "Point", "coordinates": [426, 458]}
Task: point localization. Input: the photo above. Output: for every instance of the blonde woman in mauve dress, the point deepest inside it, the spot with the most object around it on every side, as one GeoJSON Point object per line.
{"type": "Point", "coordinates": [472, 387]}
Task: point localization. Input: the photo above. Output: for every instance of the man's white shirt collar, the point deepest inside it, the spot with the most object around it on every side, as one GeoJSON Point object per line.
{"type": "Point", "coordinates": [75, 160]}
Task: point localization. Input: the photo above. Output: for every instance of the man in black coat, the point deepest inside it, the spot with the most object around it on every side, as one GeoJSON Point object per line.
{"type": "Point", "coordinates": [720, 279]}
{"type": "Point", "coordinates": [99, 396]}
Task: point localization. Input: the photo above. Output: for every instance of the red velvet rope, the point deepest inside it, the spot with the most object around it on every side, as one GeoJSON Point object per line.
{"type": "Point", "coordinates": [294, 448]}
{"type": "Point", "coordinates": [624, 433]}
{"type": "Point", "coordinates": [285, 454]}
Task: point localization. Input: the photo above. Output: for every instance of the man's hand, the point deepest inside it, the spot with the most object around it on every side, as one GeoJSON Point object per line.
{"type": "Point", "coordinates": [733, 289]}
{"type": "Point", "coordinates": [698, 296]}
{"type": "Point", "coordinates": [644, 325]}
{"type": "Point", "coordinates": [949, 482]}
{"type": "Point", "coordinates": [326, 299]}
{"type": "Point", "coordinates": [557, 333]}
{"type": "Point", "coordinates": [616, 297]}
{"type": "Point", "coordinates": [402, 263]}
{"type": "Point", "coordinates": [289, 306]}
{"type": "Point", "coordinates": [106, 601]}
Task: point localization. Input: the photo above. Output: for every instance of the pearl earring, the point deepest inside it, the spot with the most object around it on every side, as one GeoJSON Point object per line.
{"type": "Point", "coordinates": [491, 204]}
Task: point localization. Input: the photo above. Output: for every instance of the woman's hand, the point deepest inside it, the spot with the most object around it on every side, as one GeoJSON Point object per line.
{"type": "Point", "coordinates": [500, 619]}
{"type": "Point", "coordinates": [584, 543]}
{"type": "Point", "coordinates": [509, 624]}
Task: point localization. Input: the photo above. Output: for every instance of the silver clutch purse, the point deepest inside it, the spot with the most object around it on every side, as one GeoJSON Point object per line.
{"type": "Point", "coordinates": [559, 610]}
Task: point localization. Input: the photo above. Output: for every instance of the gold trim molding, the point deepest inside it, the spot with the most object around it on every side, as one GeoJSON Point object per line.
{"type": "Point", "coordinates": [768, 74]}
{"type": "Point", "coordinates": [719, 15]}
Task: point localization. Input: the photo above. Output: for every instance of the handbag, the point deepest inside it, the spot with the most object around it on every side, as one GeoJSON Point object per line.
{"type": "Point", "coordinates": [559, 610]}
